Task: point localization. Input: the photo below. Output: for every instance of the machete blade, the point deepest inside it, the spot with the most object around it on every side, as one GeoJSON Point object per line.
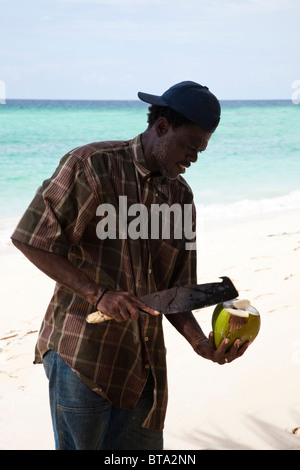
{"type": "Point", "coordinates": [191, 297]}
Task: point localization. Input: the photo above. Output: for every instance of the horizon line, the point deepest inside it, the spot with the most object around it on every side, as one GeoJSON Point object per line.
{"type": "Point", "coordinates": [137, 100]}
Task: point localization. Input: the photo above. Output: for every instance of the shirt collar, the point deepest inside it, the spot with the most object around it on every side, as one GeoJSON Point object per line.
{"type": "Point", "coordinates": [139, 159]}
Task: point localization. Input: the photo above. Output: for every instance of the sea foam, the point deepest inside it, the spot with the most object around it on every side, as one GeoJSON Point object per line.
{"type": "Point", "coordinates": [249, 207]}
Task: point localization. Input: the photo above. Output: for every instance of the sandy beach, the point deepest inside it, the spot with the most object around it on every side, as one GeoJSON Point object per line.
{"type": "Point", "coordinates": [250, 404]}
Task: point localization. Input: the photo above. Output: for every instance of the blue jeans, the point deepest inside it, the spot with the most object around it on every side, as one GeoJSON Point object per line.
{"type": "Point", "coordinates": [83, 420]}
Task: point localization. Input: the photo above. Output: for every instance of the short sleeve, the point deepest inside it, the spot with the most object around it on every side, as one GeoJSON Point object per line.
{"type": "Point", "coordinates": [60, 210]}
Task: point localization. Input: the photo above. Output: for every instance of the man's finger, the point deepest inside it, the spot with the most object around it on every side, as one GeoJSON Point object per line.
{"type": "Point", "coordinates": [130, 299]}
{"type": "Point", "coordinates": [237, 350]}
{"type": "Point", "coordinates": [133, 311]}
{"type": "Point", "coordinates": [243, 348]}
{"type": "Point", "coordinates": [146, 308]}
{"type": "Point", "coordinates": [211, 341]}
{"type": "Point", "coordinates": [125, 314]}
{"type": "Point", "coordinates": [223, 346]}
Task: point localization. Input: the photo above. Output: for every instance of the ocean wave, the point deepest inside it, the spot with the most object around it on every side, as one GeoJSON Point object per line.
{"type": "Point", "coordinates": [249, 207]}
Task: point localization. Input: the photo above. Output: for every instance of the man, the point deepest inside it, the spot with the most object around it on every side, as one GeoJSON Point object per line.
{"type": "Point", "coordinates": [108, 384]}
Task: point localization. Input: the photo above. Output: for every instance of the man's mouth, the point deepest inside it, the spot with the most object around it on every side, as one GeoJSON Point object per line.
{"type": "Point", "coordinates": [183, 166]}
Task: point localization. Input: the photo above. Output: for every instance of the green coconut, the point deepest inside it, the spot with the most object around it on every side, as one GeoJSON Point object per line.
{"type": "Point", "coordinates": [236, 319]}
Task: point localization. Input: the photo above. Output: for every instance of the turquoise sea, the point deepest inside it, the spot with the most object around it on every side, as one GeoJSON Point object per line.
{"type": "Point", "coordinates": [252, 163]}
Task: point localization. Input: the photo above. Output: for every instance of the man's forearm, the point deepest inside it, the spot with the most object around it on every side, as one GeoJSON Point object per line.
{"type": "Point", "coordinates": [187, 325]}
{"type": "Point", "coordinates": [61, 270]}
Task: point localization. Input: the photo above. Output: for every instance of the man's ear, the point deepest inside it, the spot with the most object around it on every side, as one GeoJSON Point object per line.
{"type": "Point", "coordinates": [162, 127]}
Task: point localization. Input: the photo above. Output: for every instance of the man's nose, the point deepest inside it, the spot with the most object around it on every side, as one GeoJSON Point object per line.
{"type": "Point", "coordinates": [193, 157]}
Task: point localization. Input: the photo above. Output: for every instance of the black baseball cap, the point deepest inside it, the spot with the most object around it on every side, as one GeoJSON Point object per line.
{"type": "Point", "coordinates": [192, 100]}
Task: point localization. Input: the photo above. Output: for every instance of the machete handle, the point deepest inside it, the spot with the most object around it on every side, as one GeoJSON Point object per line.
{"type": "Point", "coordinates": [97, 317]}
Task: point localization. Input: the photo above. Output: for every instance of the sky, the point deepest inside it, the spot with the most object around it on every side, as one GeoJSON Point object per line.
{"type": "Point", "coordinates": [111, 49]}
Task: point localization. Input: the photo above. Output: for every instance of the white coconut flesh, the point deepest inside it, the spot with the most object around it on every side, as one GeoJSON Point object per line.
{"type": "Point", "coordinates": [240, 308]}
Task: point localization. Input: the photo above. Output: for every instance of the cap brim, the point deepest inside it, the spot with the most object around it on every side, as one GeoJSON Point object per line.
{"type": "Point", "coordinates": [152, 99]}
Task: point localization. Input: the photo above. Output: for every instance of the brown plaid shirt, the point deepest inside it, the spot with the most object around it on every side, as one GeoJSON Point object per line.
{"type": "Point", "coordinates": [112, 358]}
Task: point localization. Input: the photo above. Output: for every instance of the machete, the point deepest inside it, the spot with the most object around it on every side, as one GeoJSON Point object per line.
{"type": "Point", "coordinates": [182, 299]}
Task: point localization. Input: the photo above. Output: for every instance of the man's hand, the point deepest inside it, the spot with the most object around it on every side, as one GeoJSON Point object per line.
{"type": "Point", "coordinates": [206, 348]}
{"type": "Point", "coordinates": [123, 306]}
{"type": "Point", "coordinates": [187, 325]}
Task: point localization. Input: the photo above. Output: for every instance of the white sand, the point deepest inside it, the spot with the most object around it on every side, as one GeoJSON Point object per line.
{"type": "Point", "coordinates": [252, 403]}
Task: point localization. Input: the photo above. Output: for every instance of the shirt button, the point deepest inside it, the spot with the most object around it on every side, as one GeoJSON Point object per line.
{"type": "Point", "coordinates": [146, 338]}
{"type": "Point", "coordinates": [147, 366]}
{"type": "Point", "coordinates": [156, 194]}
{"type": "Point", "coordinates": [150, 271]}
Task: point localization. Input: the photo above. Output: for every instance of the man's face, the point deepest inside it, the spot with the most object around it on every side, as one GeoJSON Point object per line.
{"type": "Point", "coordinates": [178, 148]}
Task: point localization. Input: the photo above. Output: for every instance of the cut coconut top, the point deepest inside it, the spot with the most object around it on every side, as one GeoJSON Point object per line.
{"type": "Point", "coordinates": [240, 308]}
{"type": "Point", "coordinates": [241, 304]}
